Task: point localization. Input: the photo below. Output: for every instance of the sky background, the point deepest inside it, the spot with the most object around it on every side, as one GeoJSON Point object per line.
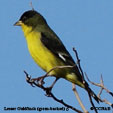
{"type": "Point", "coordinates": [86, 25]}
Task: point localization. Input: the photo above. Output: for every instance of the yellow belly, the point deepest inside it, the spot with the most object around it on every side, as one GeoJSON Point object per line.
{"type": "Point", "coordinates": [42, 56]}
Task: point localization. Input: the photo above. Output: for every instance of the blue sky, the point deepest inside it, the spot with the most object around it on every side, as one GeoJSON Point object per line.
{"type": "Point", "coordinates": [86, 25]}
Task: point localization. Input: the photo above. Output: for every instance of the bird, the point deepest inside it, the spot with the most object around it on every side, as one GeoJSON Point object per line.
{"type": "Point", "coordinates": [48, 51]}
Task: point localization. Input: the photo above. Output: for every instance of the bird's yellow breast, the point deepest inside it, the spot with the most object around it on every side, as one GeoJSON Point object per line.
{"type": "Point", "coordinates": [37, 50]}
{"type": "Point", "coordinates": [41, 55]}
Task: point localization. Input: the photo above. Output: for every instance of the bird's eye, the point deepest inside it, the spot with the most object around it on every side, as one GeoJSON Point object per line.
{"type": "Point", "coordinates": [24, 18]}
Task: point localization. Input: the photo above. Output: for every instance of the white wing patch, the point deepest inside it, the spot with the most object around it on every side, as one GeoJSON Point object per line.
{"type": "Point", "coordinates": [61, 57]}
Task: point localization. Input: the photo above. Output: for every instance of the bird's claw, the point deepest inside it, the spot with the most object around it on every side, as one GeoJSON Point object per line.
{"type": "Point", "coordinates": [28, 79]}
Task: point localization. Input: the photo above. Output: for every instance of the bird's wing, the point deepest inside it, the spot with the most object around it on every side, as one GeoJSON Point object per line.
{"type": "Point", "coordinates": [53, 43]}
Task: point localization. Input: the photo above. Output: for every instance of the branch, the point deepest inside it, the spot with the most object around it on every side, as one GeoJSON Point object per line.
{"type": "Point", "coordinates": [83, 80]}
{"type": "Point", "coordinates": [31, 6]}
{"type": "Point", "coordinates": [48, 92]}
{"type": "Point", "coordinates": [101, 85]}
{"type": "Point", "coordinates": [78, 98]}
{"type": "Point", "coordinates": [79, 66]}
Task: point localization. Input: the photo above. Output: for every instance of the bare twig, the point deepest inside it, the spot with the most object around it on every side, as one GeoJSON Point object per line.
{"type": "Point", "coordinates": [31, 6]}
{"type": "Point", "coordinates": [78, 98]}
{"type": "Point", "coordinates": [107, 102]}
{"type": "Point", "coordinates": [41, 78]}
{"type": "Point", "coordinates": [49, 93]}
{"type": "Point", "coordinates": [83, 79]}
{"type": "Point", "coordinates": [59, 67]}
{"type": "Point", "coordinates": [101, 85]}
{"type": "Point", "coordinates": [92, 103]}
{"type": "Point", "coordinates": [101, 82]}
{"type": "Point", "coordinates": [78, 63]}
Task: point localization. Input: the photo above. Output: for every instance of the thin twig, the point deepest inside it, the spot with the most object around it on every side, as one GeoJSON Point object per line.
{"type": "Point", "coordinates": [78, 98]}
{"type": "Point", "coordinates": [59, 67]}
{"type": "Point", "coordinates": [31, 6]}
{"type": "Point", "coordinates": [79, 66]}
{"type": "Point", "coordinates": [101, 82]}
{"type": "Point", "coordinates": [62, 102]}
{"type": "Point", "coordinates": [107, 102]}
{"type": "Point", "coordinates": [99, 85]}
{"type": "Point", "coordinates": [92, 103]}
{"type": "Point", "coordinates": [83, 79]}
{"type": "Point", "coordinates": [49, 93]}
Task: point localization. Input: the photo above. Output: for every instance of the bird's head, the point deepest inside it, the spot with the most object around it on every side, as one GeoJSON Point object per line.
{"type": "Point", "coordinates": [30, 18]}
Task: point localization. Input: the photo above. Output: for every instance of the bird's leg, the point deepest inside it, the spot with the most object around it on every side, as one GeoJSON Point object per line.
{"type": "Point", "coordinates": [48, 89]}
{"type": "Point", "coordinates": [40, 80]}
{"type": "Point", "coordinates": [54, 83]}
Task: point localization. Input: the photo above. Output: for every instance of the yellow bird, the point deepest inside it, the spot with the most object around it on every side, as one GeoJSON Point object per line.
{"type": "Point", "coordinates": [48, 51]}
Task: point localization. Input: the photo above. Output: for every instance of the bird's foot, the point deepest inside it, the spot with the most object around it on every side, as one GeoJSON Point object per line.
{"type": "Point", "coordinates": [31, 81]}
{"type": "Point", "coordinates": [39, 80]}
{"type": "Point", "coordinates": [28, 79]}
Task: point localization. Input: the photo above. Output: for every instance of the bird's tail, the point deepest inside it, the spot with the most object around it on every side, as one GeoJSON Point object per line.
{"type": "Point", "coordinates": [92, 94]}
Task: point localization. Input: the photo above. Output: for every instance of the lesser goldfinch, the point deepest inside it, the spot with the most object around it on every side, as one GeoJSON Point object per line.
{"type": "Point", "coordinates": [48, 51]}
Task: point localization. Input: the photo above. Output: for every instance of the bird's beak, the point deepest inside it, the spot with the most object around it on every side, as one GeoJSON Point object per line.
{"type": "Point", "coordinates": [18, 23]}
